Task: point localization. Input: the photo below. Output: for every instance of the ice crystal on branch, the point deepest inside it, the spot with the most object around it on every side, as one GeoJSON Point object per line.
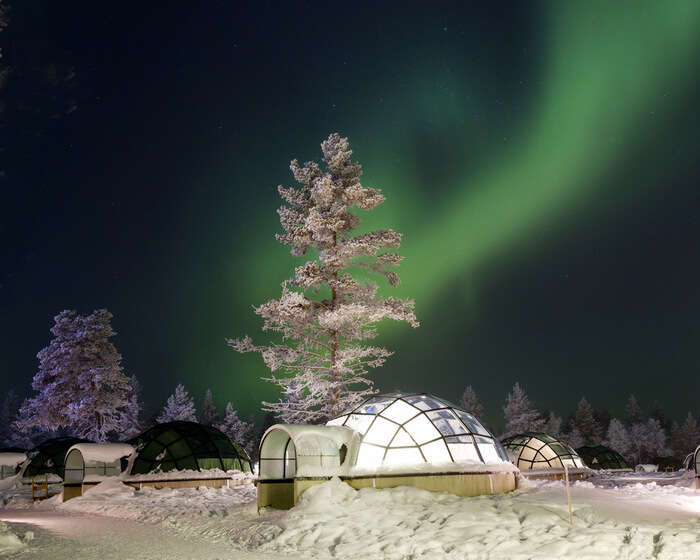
{"type": "Point", "coordinates": [321, 362]}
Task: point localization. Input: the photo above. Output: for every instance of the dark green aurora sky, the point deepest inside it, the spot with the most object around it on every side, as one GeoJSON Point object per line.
{"type": "Point", "coordinates": [540, 158]}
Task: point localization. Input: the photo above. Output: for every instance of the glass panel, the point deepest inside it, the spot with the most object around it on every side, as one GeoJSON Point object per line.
{"type": "Point", "coordinates": [436, 452]}
{"type": "Point", "coordinates": [528, 454]}
{"type": "Point", "coordinates": [536, 443]}
{"type": "Point", "coordinates": [558, 449]}
{"type": "Point", "coordinates": [375, 405]}
{"type": "Point", "coordinates": [472, 423]}
{"type": "Point", "coordinates": [424, 402]}
{"type": "Point", "coordinates": [489, 453]}
{"type": "Point", "coordinates": [501, 452]}
{"type": "Point", "coordinates": [381, 432]}
{"type": "Point", "coordinates": [400, 412]}
{"type": "Point", "coordinates": [421, 429]}
{"type": "Point", "coordinates": [459, 439]}
{"type": "Point", "coordinates": [578, 463]}
{"type": "Point", "coordinates": [405, 456]}
{"type": "Point", "coordinates": [446, 422]}
{"type": "Point", "coordinates": [369, 456]}
{"type": "Point", "coordinates": [402, 439]}
{"type": "Point", "coordinates": [463, 452]}
{"type": "Point", "coordinates": [359, 422]}
{"type": "Point", "coordinates": [336, 421]}
{"type": "Point", "coordinates": [569, 463]}
{"type": "Point", "coordinates": [547, 452]}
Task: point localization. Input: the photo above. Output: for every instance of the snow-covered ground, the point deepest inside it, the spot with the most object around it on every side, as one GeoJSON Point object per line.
{"type": "Point", "coordinates": [634, 516]}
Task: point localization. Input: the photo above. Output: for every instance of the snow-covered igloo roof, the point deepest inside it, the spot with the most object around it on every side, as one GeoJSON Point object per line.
{"type": "Point", "coordinates": [535, 450]}
{"type": "Point", "coordinates": [93, 453]}
{"type": "Point", "coordinates": [413, 431]}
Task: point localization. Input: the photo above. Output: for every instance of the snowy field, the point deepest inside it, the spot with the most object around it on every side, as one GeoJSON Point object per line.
{"type": "Point", "coordinates": [635, 516]}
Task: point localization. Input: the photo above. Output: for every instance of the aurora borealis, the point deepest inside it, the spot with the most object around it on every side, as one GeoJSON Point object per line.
{"type": "Point", "coordinates": [540, 160]}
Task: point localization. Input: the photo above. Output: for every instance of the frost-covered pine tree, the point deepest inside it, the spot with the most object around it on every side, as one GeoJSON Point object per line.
{"type": "Point", "coordinates": [633, 413]}
{"type": "Point", "coordinates": [237, 430]}
{"type": "Point", "coordinates": [618, 438]}
{"type": "Point", "coordinates": [209, 413]}
{"type": "Point", "coordinates": [685, 438]}
{"type": "Point", "coordinates": [552, 426]}
{"type": "Point", "coordinates": [8, 414]}
{"type": "Point", "coordinates": [520, 414]}
{"type": "Point", "coordinates": [324, 313]}
{"type": "Point", "coordinates": [80, 382]}
{"type": "Point", "coordinates": [648, 440]}
{"type": "Point", "coordinates": [584, 420]}
{"type": "Point", "coordinates": [180, 406]}
{"type": "Point", "coordinates": [470, 403]}
{"type": "Point", "coordinates": [574, 438]}
{"type": "Point", "coordinates": [131, 424]}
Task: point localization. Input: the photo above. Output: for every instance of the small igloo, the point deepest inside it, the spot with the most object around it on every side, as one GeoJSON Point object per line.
{"type": "Point", "coordinates": [540, 455]}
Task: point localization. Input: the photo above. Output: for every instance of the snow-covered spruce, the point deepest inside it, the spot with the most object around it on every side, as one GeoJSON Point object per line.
{"type": "Point", "coordinates": [179, 406]}
{"type": "Point", "coordinates": [80, 382]}
{"type": "Point", "coordinates": [325, 314]}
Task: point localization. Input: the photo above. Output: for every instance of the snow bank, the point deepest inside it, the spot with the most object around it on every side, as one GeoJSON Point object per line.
{"type": "Point", "coordinates": [445, 467]}
{"type": "Point", "coordinates": [398, 523]}
{"type": "Point", "coordinates": [187, 474]}
{"type": "Point", "coordinates": [9, 542]}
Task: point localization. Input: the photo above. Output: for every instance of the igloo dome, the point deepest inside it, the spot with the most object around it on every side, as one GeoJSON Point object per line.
{"type": "Point", "coordinates": [413, 429]}
{"type": "Point", "coordinates": [535, 450]}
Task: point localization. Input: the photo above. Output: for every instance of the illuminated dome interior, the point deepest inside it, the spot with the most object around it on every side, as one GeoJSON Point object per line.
{"type": "Point", "coordinates": [413, 429]}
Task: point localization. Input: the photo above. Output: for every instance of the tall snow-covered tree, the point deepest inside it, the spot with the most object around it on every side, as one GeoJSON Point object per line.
{"type": "Point", "coordinates": [179, 406]}
{"type": "Point", "coordinates": [648, 440]}
{"type": "Point", "coordinates": [80, 382]}
{"type": "Point", "coordinates": [633, 413]}
{"type": "Point", "coordinates": [237, 430]}
{"type": "Point", "coordinates": [618, 438]}
{"type": "Point", "coordinates": [552, 426]}
{"type": "Point", "coordinates": [685, 438]}
{"type": "Point", "coordinates": [520, 414]}
{"type": "Point", "coordinates": [470, 403]}
{"type": "Point", "coordinates": [132, 424]}
{"type": "Point", "coordinates": [209, 413]}
{"type": "Point", "coordinates": [584, 420]}
{"type": "Point", "coordinates": [325, 314]}
{"type": "Point", "coordinates": [574, 438]}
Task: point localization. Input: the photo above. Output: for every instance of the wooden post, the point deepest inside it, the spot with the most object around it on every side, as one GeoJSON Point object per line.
{"type": "Point", "coordinates": [568, 495]}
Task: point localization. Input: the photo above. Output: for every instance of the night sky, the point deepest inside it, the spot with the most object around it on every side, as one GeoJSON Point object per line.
{"type": "Point", "coordinates": [541, 160]}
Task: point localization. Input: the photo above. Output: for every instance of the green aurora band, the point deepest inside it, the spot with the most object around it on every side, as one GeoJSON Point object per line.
{"type": "Point", "coordinates": [605, 70]}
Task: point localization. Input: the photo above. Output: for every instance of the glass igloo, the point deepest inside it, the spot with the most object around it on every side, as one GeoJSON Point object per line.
{"type": "Point", "coordinates": [601, 457]}
{"type": "Point", "coordinates": [534, 450]}
{"type": "Point", "coordinates": [412, 429]}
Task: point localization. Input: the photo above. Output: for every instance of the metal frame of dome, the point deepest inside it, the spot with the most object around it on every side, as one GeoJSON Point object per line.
{"type": "Point", "coordinates": [602, 457]}
{"type": "Point", "coordinates": [536, 450]}
{"type": "Point", "coordinates": [53, 450]}
{"type": "Point", "coordinates": [411, 428]}
{"type": "Point", "coordinates": [186, 446]}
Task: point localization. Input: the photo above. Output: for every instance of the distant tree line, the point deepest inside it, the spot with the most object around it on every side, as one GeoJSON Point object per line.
{"type": "Point", "coordinates": [636, 437]}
